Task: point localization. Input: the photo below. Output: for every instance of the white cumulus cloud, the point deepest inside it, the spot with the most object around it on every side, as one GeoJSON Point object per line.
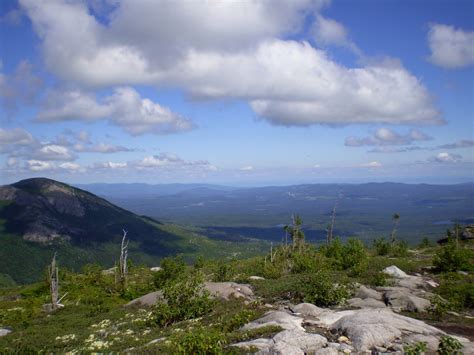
{"type": "Point", "coordinates": [52, 152]}
{"type": "Point", "coordinates": [445, 157]}
{"type": "Point", "coordinates": [100, 148]}
{"type": "Point", "coordinates": [451, 47]}
{"type": "Point", "coordinates": [386, 137]}
{"type": "Point", "coordinates": [111, 165]}
{"type": "Point", "coordinates": [38, 165]}
{"type": "Point", "coordinates": [14, 137]}
{"type": "Point", "coordinates": [70, 166]}
{"type": "Point", "coordinates": [124, 108]}
{"type": "Point", "coordinates": [219, 51]}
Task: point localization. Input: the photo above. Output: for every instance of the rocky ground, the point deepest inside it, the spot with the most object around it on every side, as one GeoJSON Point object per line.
{"type": "Point", "coordinates": [259, 317]}
{"type": "Point", "coordinates": [368, 322]}
{"type": "Point", "coordinates": [375, 326]}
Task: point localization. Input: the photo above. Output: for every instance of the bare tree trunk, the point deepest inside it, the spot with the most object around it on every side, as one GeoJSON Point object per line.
{"type": "Point", "coordinates": [53, 276]}
{"type": "Point", "coordinates": [54, 282]}
{"type": "Point", "coordinates": [393, 237]}
{"type": "Point", "coordinates": [123, 260]}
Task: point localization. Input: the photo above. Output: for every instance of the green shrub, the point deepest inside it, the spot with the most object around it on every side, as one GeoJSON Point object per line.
{"type": "Point", "coordinates": [354, 256]}
{"type": "Point", "coordinates": [415, 349]}
{"type": "Point", "coordinates": [452, 257]}
{"type": "Point", "coordinates": [238, 320]}
{"type": "Point", "coordinates": [320, 289]}
{"type": "Point", "coordinates": [399, 249]}
{"type": "Point", "coordinates": [225, 271]}
{"type": "Point", "coordinates": [93, 274]}
{"type": "Point", "coordinates": [272, 270]}
{"type": "Point", "coordinates": [307, 261]}
{"type": "Point", "coordinates": [172, 269]}
{"type": "Point", "coordinates": [199, 341]}
{"type": "Point", "coordinates": [381, 247]}
{"type": "Point", "coordinates": [374, 278]}
{"type": "Point", "coordinates": [199, 263]}
{"type": "Point", "coordinates": [350, 256]}
{"type": "Point", "coordinates": [449, 345]}
{"type": "Point", "coordinates": [277, 289]}
{"type": "Point", "coordinates": [438, 307]}
{"type": "Point", "coordinates": [333, 250]}
{"type": "Point", "coordinates": [185, 299]}
{"type": "Point", "coordinates": [458, 290]}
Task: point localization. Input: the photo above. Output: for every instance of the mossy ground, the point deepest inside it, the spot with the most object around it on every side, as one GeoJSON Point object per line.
{"type": "Point", "coordinates": [94, 317]}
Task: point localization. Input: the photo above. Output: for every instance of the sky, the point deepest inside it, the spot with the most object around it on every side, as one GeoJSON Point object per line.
{"type": "Point", "coordinates": [244, 93]}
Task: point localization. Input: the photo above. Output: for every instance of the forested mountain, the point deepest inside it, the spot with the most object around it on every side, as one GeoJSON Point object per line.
{"type": "Point", "coordinates": [41, 216]}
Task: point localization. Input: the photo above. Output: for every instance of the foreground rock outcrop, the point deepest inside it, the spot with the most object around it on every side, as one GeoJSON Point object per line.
{"type": "Point", "coordinates": [147, 300]}
{"type": "Point", "coordinates": [5, 331]}
{"type": "Point", "coordinates": [307, 329]}
{"type": "Point", "coordinates": [222, 290]}
{"type": "Point", "coordinates": [227, 290]}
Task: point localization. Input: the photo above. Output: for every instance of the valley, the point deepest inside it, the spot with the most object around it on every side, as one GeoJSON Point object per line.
{"type": "Point", "coordinates": [363, 211]}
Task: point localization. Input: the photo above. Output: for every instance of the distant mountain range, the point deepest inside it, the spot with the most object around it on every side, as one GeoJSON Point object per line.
{"type": "Point", "coordinates": [41, 216]}
{"type": "Point", "coordinates": [148, 190]}
{"type": "Point", "coordinates": [363, 210]}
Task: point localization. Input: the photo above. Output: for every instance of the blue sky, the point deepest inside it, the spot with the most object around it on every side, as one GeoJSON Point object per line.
{"type": "Point", "coordinates": [241, 93]}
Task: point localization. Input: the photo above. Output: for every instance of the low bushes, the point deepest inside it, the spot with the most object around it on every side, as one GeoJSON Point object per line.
{"type": "Point", "coordinates": [321, 290]}
{"type": "Point", "coordinates": [318, 288]}
{"type": "Point", "coordinates": [384, 248]}
{"type": "Point", "coordinates": [172, 269]}
{"type": "Point", "coordinates": [199, 341]}
{"type": "Point", "coordinates": [453, 257]}
{"type": "Point", "coordinates": [449, 346]}
{"type": "Point", "coordinates": [185, 299]}
{"type": "Point", "coordinates": [225, 270]}
{"type": "Point", "coordinates": [458, 290]}
{"type": "Point", "coordinates": [351, 256]}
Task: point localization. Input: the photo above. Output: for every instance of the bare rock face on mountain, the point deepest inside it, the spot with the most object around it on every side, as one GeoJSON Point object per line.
{"type": "Point", "coordinates": [43, 210]}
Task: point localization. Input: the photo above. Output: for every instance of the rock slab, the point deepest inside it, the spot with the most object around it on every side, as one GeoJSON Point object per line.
{"type": "Point", "coordinates": [4, 331]}
{"type": "Point", "coordinates": [227, 290]}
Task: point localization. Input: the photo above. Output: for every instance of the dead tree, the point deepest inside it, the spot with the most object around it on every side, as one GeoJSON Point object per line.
{"type": "Point", "coordinates": [53, 276]}
{"type": "Point", "coordinates": [330, 230]}
{"type": "Point", "coordinates": [54, 282]}
{"type": "Point", "coordinates": [297, 234]}
{"type": "Point", "coordinates": [272, 254]}
{"type": "Point", "coordinates": [331, 226]}
{"type": "Point", "coordinates": [123, 260]}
